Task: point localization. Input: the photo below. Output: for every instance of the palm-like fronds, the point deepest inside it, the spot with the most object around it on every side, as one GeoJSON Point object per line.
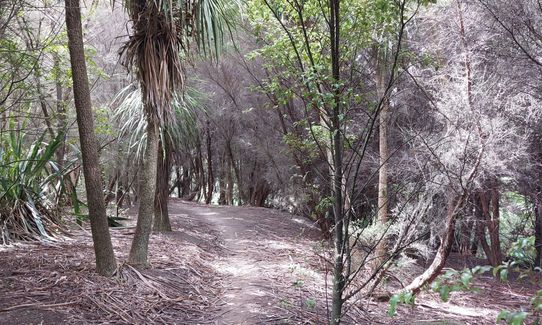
{"type": "Point", "coordinates": [156, 51]}
{"type": "Point", "coordinates": [153, 49]}
{"type": "Point", "coordinates": [162, 31]}
{"type": "Point", "coordinates": [29, 182]}
{"type": "Point", "coordinates": [180, 132]}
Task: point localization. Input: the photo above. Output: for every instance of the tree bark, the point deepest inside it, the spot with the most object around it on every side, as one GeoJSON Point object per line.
{"type": "Point", "coordinates": [105, 258]}
{"type": "Point", "coordinates": [229, 181]}
{"type": "Point", "coordinates": [200, 174]}
{"type": "Point", "coordinates": [222, 182]}
{"type": "Point", "coordinates": [237, 173]}
{"type": "Point", "coordinates": [443, 251]}
{"type": "Point", "coordinates": [341, 239]}
{"type": "Point", "coordinates": [494, 222]}
{"type": "Point", "coordinates": [481, 228]}
{"type": "Point", "coordinates": [161, 197]}
{"type": "Point", "coordinates": [489, 207]}
{"type": "Point", "coordinates": [383, 210]}
{"type": "Point", "coordinates": [538, 230]}
{"type": "Point", "coordinates": [210, 175]}
{"type": "Point", "coordinates": [147, 187]}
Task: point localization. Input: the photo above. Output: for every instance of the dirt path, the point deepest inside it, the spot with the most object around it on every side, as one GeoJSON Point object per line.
{"type": "Point", "coordinates": [219, 266]}
{"type": "Point", "coordinates": [263, 259]}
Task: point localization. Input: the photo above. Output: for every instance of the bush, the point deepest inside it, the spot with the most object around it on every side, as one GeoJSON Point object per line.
{"type": "Point", "coordinates": [29, 187]}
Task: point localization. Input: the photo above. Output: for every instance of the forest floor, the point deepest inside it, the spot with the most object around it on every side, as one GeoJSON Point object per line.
{"type": "Point", "coordinates": [220, 265]}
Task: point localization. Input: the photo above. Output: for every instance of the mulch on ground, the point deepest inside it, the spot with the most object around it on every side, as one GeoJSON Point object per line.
{"type": "Point", "coordinates": [54, 282]}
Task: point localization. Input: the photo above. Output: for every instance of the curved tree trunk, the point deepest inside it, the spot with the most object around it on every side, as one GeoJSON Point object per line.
{"type": "Point", "coordinates": [105, 257]}
{"type": "Point", "coordinates": [161, 212]}
{"type": "Point", "coordinates": [147, 185]}
{"type": "Point", "coordinates": [443, 251]}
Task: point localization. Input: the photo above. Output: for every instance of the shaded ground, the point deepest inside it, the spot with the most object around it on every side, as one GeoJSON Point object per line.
{"type": "Point", "coordinates": [221, 265]}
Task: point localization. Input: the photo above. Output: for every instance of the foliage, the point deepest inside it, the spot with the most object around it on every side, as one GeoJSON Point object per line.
{"type": "Point", "coordinates": [453, 280]}
{"type": "Point", "coordinates": [156, 51]}
{"type": "Point", "coordinates": [521, 255]}
{"type": "Point", "coordinates": [512, 318]}
{"type": "Point", "coordinates": [521, 258]}
{"type": "Point", "coordinates": [407, 298]}
{"type": "Point", "coordinates": [29, 186]}
{"type": "Point", "coordinates": [523, 251]}
{"type": "Point", "coordinates": [516, 220]}
{"type": "Point", "coordinates": [180, 131]}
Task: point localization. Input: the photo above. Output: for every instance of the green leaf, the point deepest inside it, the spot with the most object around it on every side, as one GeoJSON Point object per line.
{"type": "Point", "coordinates": [310, 303]}
{"type": "Point", "coordinates": [444, 293]}
{"type": "Point", "coordinates": [518, 318]}
{"type": "Point", "coordinates": [502, 316]}
{"type": "Point", "coordinates": [466, 277]}
{"type": "Point", "coordinates": [392, 309]}
{"type": "Point", "coordinates": [503, 275]}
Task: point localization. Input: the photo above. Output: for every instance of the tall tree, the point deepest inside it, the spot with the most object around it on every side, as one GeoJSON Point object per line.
{"type": "Point", "coordinates": [105, 257]}
{"type": "Point", "coordinates": [161, 30]}
{"type": "Point", "coordinates": [383, 197]}
{"type": "Point", "coordinates": [337, 152]}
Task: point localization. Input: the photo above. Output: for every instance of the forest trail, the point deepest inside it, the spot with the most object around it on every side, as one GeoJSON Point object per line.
{"type": "Point", "coordinates": [262, 259]}
{"type": "Point", "coordinates": [220, 265]}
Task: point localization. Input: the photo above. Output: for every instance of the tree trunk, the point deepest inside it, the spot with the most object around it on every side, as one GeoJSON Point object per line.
{"type": "Point", "coordinates": [341, 238]}
{"type": "Point", "coordinates": [237, 173]}
{"type": "Point", "coordinates": [229, 182]}
{"type": "Point", "coordinates": [147, 186]}
{"type": "Point", "coordinates": [481, 227]}
{"type": "Point", "coordinates": [178, 181]}
{"type": "Point", "coordinates": [161, 213]}
{"type": "Point", "coordinates": [105, 257]}
{"type": "Point", "coordinates": [210, 176]}
{"type": "Point", "coordinates": [62, 118]}
{"type": "Point", "coordinates": [383, 210]}
{"type": "Point", "coordinates": [489, 207]}
{"type": "Point", "coordinates": [259, 193]}
{"type": "Point", "coordinates": [222, 182]}
{"type": "Point", "coordinates": [538, 230]}
{"type": "Point", "coordinates": [494, 222]}
{"type": "Point", "coordinates": [443, 251]}
{"type": "Point", "coordinates": [200, 174]}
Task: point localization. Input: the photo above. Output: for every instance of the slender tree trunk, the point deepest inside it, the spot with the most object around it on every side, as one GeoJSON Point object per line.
{"type": "Point", "coordinates": [62, 127]}
{"type": "Point", "coordinates": [538, 230]}
{"type": "Point", "coordinates": [337, 179]}
{"type": "Point", "coordinates": [237, 173]}
{"type": "Point", "coordinates": [222, 181]}
{"type": "Point", "coordinates": [200, 178]}
{"type": "Point", "coordinates": [105, 257]}
{"type": "Point", "coordinates": [161, 213]}
{"type": "Point", "coordinates": [489, 201]}
{"type": "Point", "coordinates": [178, 182]}
{"type": "Point", "coordinates": [62, 118]}
{"type": "Point", "coordinates": [187, 180]}
{"type": "Point", "coordinates": [383, 210]}
{"type": "Point", "coordinates": [210, 176]}
{"type": "Point", "coordinates": [229, 182]}
{"type": "Point", "coordinates": [147, 186]}
{"type": "Point", "coordinates": [443, 251]}
{"type": "Point", "coordinates": [494, 222]}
